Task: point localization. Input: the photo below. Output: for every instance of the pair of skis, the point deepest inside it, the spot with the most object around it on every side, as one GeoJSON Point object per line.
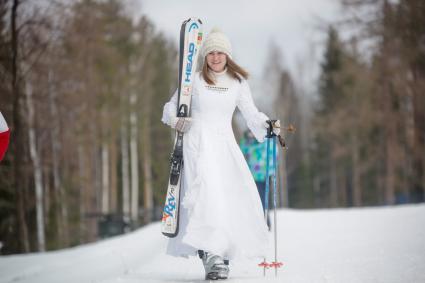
{"type": "Point", "coordinates": [190, 42]}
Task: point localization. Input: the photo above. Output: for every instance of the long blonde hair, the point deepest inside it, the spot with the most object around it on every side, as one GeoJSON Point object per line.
{"type": "Point", "coordinates": [233, 69]}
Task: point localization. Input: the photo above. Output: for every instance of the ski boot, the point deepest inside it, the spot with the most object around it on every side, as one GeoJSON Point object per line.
{"type": "Point", "coordinates": [215, 267]}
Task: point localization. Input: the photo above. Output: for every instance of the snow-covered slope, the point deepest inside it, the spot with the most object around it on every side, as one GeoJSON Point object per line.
{"type": "Point", "coordinates": [341, 245]}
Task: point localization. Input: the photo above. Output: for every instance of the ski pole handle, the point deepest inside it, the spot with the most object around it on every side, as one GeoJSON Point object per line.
{"type": "Point", "coordinates": [273, 128]}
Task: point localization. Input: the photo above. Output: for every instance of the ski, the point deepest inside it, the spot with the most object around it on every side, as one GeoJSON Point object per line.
{"type": "Point", "coordinates": [190, 42]}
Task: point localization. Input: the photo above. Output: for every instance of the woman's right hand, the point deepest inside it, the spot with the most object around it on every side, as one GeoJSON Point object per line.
{"type": "Point", "coordinates": [181, 124]}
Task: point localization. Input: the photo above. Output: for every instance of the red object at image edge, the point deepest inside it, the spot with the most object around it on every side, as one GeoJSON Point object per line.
{"type": "Point", "coordinates": [4, 143]}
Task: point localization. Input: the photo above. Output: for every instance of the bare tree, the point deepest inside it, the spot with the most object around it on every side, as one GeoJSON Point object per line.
{"type": "Point", "coordinates": [35, 158]}
{"type": "Point", "coordinates": [17, 128]}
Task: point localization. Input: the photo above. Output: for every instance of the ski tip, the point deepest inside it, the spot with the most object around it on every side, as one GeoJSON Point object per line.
{"type": "Point", "coordinates": [195, 19]}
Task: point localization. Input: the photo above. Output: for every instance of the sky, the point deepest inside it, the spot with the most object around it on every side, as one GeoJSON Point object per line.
{"type": "Point", "coordinates": [297, 28]}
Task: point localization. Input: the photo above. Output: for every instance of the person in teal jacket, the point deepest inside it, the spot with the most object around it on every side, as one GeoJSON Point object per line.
{"type": "Point", "coordinates": [255, 155]}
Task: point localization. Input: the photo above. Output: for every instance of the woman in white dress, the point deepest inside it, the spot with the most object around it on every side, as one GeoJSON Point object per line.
{"type": "Point", "coordinates": [221, 215]}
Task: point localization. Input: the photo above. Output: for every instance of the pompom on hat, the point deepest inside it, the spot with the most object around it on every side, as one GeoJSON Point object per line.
{"type": "Point", "coordinates": [216, 40]}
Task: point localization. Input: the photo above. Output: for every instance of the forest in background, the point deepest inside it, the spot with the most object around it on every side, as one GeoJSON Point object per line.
{"type": "Point", "coordinates": [82, 88]}
{"type": "Point", "coordinates": [361, 134]}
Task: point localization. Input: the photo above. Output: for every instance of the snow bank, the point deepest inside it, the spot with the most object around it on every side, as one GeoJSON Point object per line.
{"type": "Point", "coordinates": [383, 244]}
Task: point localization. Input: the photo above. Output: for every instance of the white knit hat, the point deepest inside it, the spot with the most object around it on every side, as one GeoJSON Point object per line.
{"type": "Point", "coordinates": [216, 41]}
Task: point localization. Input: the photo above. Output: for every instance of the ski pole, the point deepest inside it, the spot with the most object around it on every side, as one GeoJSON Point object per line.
{"type": "Point", "coordinates": [275, 264]}
{"type": "Point", "coordinates": [271, 135]}
{"type": "Point", "coordinates": [274, 202]}
{"type": "Point", "coordinates": [266, 197]}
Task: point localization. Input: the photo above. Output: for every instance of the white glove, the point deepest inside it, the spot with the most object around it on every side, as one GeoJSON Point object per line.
{"type": "Point", "coordinates": [275, 126]}
{"type": "Point", "coordinates": [3, 124]}
{"type": "Point", "coordinates": [181, 124]}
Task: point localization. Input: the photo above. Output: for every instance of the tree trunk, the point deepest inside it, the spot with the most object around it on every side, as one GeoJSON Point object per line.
{"type": "Point", "coordinates": [390, 168]}
{"type": "Point", "coordinates": [357, 190]}
{"type": "Point", "coordinates": [105, 178]}
{"type": "Point", "coordinates": [333, 182]}
{"type": "Point", "coordinates": [46, 199]}
{"type": "Point", "coordinates": [113, 173]}
{"type": "Point", "coordinates": [317, 192]}
{"type": "Point", "coordinates": [35, 158]}
{"type": "Point", "coordinates": [17, 134]}
{"type": "Point", "coordinates": [62, 207]}
{"type": "Point", "coordinates": [97, 174]}
{"type": "Point", "coordinates": [147, 161]}
{"type": "Point", "coordinates": [390, 145]}
{"type": "Point", "coordinates": [94, 185]}
{"type": "Point", "coordinates": [419, 132]}
{"type": "Point", "coordinates": [344, 188]}
{"type": "Point", "coordinates": [125, 170]}
{"type": "Point", "coordinates": [389, 120]}
{"type": "Point", "coordinates": [84, 196]}
{"type": "Point", "coordinates": [134, 156]}
{"type": "Point", "coordinates": [95, 169]}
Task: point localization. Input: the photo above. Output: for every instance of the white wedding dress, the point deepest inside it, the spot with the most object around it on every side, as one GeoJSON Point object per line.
{"type": "Point", "coordinates": [220, 209]}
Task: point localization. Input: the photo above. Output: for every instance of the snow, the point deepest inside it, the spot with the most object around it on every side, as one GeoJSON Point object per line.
{"type": "Point", "coordinates": [384, 244]}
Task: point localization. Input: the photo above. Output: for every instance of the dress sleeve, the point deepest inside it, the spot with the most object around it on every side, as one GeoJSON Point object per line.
{"type": "Point", "coordinates": [254, 118]}
{"type": "Point", "coordinates": [170, 110]}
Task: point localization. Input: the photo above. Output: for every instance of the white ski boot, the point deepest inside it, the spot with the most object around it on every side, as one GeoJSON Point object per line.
{"type": "Point", "coordinates": [214, 265]}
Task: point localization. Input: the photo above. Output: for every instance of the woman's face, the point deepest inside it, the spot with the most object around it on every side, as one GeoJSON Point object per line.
{"type": "Point", "coordinates": [216, 61]}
